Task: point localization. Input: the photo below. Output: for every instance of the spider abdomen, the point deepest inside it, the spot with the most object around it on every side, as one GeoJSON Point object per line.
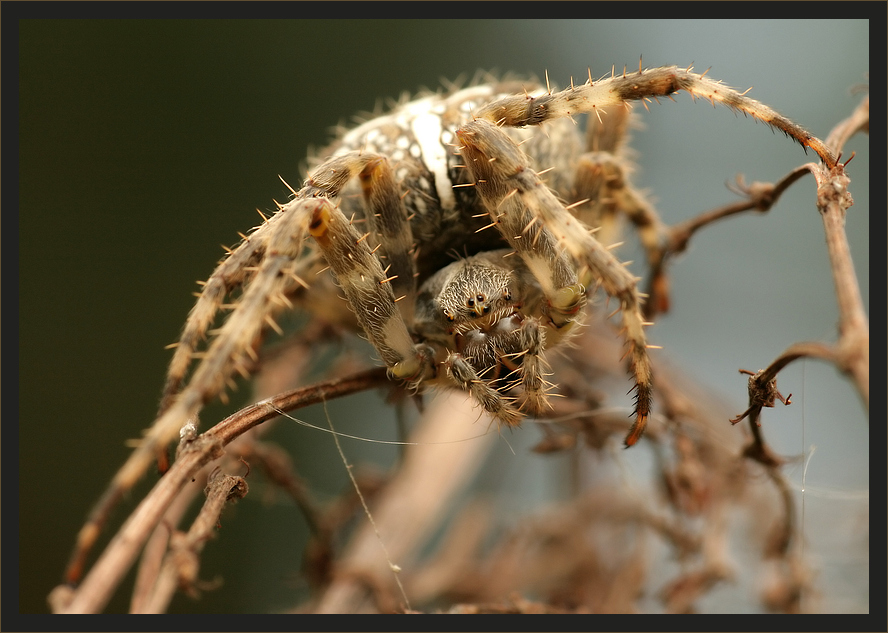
{"type": "Point", "coordinates": [419, 139]}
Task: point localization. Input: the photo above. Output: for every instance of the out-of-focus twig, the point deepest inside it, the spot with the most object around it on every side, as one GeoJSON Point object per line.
{"type": "Point", "coordinates": [104, 577]}
{"type": "Point", "coordinates": [411, 506]}
{"type": "Point", "coordinates": [182, 562]}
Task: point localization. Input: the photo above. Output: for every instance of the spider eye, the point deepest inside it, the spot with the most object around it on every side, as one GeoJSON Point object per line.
{"type": "Point", "coordinates": [470, 302]}
{"type": "Point", "coordinates": [507, 294]}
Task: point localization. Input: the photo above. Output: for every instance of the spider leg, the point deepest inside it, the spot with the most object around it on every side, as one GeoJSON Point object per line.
{"type": "Point", "coordinates": [530, 341]}
{"type": "Point", "coordinates": [234, 271]}
{"type": "Point", "coordinates": [492, 158]}
{"type": "Point", "coordinates": [513, 193]}
{"type": "Point", "coordinates": [272, 252]}
{"type": "Point", "coordinates": [602, 180]}
{"type": "Point", "coordinates": [358, 271]}
{"type": "Point", "coordinates": [390, 224]}
{"type": "Point", "coordinates": [616, 90]}
{"type": "Point", "coordinates": [464, 375]}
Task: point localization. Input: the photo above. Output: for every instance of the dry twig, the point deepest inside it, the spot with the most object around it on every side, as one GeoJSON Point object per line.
{"type": "Point", "coordinates": [91, 595]}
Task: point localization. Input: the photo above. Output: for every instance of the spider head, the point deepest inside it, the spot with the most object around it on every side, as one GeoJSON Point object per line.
{"type": "Point", "coordinates": [477, 295]}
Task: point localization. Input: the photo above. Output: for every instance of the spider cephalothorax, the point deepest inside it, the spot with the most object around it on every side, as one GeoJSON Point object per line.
{"type": "Point", "coordinates": [473, 172]}
{"type": "Point", "coordinates": [487, 318]}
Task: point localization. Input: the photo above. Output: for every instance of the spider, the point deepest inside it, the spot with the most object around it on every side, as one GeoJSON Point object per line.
{"type": "Point", "coordinates": [475, 173]}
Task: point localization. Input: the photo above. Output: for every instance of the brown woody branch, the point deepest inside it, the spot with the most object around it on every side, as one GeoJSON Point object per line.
{"type": "Point", "coordinates": [759, 197]}
{"type": "Point", "coordinates": [182, 562]}
{"type": "Point", "coordinates": [851, 353]}
{"type": "Point", "coordinates": [97, 587]}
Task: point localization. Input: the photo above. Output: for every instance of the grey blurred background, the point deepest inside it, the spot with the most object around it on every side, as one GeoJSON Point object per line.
{"type": "Point", "coordinates": [147, 144]}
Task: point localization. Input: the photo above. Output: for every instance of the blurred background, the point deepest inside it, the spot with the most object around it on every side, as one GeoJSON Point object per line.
{"type": "Point", "coordinates": [147, 144]}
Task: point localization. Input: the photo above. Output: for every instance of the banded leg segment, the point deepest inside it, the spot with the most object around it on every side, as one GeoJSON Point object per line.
{"type": "Point", "coordinates": [389, 222]}
{"type": "Point", "coordinates": [369, 294]}
{"type": "Point", "coordinates": [602, 180]}
{"type": "Point", "coordinates": [510, 188]}
{"type": "Point", "coordinates": [616, 90]}
{"type": "Point", "coordinates": [357, 270]}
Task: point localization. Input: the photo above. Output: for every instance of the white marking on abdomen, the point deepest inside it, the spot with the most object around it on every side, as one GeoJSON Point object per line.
{"type": "Point", "coordinates": [426, 127]}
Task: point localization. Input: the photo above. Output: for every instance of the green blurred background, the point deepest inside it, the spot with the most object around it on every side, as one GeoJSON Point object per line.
{"type": "Point", "coordinates": [146, 144]}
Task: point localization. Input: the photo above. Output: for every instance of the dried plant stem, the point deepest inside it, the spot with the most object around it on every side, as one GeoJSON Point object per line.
{"type": "Point", "coordinates": [156, 548]}
{"type": "Point", "coordinates": [182, 562]}
{"type": "Point", "coordinates": [833, 202]}
{"type": "Point", "coordinates": [851, 353]}
{"type": "Point", "coordinates": [852, 350]}
{"type": "Point", "coordinates": [761, 197]}
{"type": "Point", "coordinates": [95, 591]}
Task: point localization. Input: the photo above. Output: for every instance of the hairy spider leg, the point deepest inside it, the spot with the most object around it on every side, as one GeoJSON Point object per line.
{"type": "Point", "coordinates": [602, 189]}
{"type": "Point", "coordinates": [358, 271]}
{"type": "Point", "coordinates": [390, 225]}
{"type": "Point", "coordinates": [592, 97]}
{"type": "Point", "coordinates": [518, 200]}
{"type": "Point", "coordinates": [272, 251]}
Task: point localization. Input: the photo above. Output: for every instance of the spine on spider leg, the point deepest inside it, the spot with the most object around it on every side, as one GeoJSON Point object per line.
{"type": "Point", "coordinates": [652, 83]}
{"type": "Point", "coordinates": [640, 365]}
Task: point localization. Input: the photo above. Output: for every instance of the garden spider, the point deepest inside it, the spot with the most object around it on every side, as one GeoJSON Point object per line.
{"type": "Point", "coordinates": [403, 192]}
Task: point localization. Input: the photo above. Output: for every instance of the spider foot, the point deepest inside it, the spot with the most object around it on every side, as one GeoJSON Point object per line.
{"type": "Point", "coordinates": [464, 375]}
